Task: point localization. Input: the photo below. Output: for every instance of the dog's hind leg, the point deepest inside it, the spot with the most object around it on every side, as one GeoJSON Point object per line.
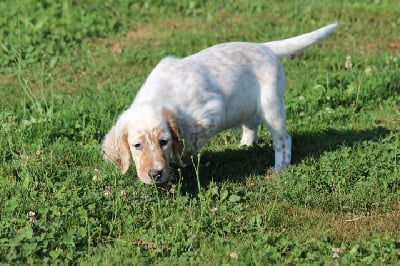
{"type": "Point", "coordinates": [282, 147]}
{"type": "Point", "coordinates": [282, 142]}
{"type": "Point", "coordinates": [273, 115]}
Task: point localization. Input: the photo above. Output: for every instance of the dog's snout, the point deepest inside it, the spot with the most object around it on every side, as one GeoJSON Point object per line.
{"type": "Point", "coordinates": [155, 174]}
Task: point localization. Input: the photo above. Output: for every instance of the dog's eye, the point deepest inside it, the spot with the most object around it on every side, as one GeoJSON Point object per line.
{"type": "Point", "coordinates": [138, 146]}
{"type": "Point", "coordinates": [163, 142]}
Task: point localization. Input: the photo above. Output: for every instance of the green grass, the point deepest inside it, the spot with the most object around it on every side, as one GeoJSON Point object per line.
{"type": "Point", "coordinates": [70, 68]}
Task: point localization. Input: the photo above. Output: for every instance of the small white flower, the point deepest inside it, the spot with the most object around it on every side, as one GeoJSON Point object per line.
{"type": "Point", "coordinates": [348, 64]}
{"type": "Point", "coordinates": [31, 216]}
{"type": "Point", "coordinates": [38, 153]}
{"type": "Point", "coordinates": [336, 251]}
{"type": "Point", "coordinates": [234, 255]}
{"type": "Point", "coordinates": [214, 209]}
{"type": "Point", "coordinates": [368, 70]}
{"type": "Point", "coordinates": [107, 191]}
{"type": "Point", "coordinates": [96, 176]}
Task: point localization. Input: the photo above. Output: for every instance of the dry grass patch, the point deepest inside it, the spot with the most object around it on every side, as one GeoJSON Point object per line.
{"type": "Point", "coordinates": [344, 228]}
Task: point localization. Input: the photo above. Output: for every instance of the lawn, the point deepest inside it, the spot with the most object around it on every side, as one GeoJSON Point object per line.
{"type": "Point", "coordinates": [69, 68]}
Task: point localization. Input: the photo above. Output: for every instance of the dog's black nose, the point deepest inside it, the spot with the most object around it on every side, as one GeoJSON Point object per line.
{"type": "Point", "coordinates": [155, 174]}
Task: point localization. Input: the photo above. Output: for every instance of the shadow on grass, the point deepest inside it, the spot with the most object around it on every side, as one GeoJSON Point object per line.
{"type": "Point", "coordinates": [235, 165]}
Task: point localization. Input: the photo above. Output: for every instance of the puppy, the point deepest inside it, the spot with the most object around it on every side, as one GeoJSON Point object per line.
{"type": "Point", "coordinates": [184, 102]}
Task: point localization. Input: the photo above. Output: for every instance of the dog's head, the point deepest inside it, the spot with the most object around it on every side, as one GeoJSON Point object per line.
{"type": "Point", "coordinates": [150, 136]}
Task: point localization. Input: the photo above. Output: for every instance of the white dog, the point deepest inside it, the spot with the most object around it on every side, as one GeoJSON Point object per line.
{"type": "Point", "coordinates": [184, 102]}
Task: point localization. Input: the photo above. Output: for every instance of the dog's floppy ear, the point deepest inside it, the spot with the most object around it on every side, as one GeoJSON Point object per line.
{"type": "Point", "coordinates": [115, 148]}
{"type": "Point", "coordinates": [173, 124]}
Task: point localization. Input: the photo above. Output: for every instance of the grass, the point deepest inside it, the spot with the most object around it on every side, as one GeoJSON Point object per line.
{"type": "Point", "coordinates": [69, 69]}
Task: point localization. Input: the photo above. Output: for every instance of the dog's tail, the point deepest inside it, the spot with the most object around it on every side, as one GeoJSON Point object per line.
{"type": "Point", "coordinates": [292, 46]}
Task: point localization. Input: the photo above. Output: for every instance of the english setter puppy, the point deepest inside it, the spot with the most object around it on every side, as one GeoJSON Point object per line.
{"type": "Point", "coordinates": [184, 102]}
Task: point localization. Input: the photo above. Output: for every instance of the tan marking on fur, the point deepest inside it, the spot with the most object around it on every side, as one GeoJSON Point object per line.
{"type": "Point", "coordinates": [152, 156]}
{"type": "Point", "coordinates": [115, 148]}
{"type": "Point", "coordinates": [177, 142]}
